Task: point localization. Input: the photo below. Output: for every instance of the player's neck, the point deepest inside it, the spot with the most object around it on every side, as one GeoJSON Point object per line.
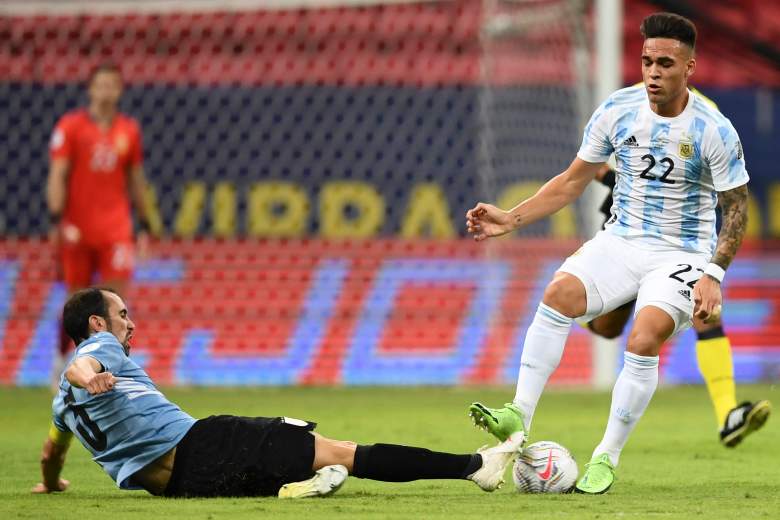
{"type": "Point", "coordinates": [103, 116]}
{"type": "Point", "coordinates": [674, 107]}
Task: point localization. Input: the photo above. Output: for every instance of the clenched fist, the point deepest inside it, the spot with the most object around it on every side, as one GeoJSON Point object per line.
{"type": "Point", "coordinates": [100, 383]}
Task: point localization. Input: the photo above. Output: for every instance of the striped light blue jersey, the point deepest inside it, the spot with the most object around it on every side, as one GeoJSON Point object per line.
{"type": "Point", "coordinates": [669, 169]}
{"type": "Point", "coordinates": [127, 427]}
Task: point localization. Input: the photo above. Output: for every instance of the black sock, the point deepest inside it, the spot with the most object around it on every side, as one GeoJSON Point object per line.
{"type": "Point", "coordinates": [395, 463]}
{"type": "Point", "coordinates": [610, 179]}
{"type": "Point", "coordinates": [717, 332]}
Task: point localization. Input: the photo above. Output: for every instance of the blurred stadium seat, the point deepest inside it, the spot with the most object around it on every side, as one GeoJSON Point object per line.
{"type": "Point", "coordinates": [311, 168]}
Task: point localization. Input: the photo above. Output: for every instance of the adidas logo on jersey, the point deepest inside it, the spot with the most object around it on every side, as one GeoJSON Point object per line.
{"type": "Point", "coordinates": [686, 293]}
{"type": "Point", "coordinates": [631, 141]}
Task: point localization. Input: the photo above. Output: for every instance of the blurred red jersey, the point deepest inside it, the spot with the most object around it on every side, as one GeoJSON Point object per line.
{"type": "Point", "coordinates": [98, 200]}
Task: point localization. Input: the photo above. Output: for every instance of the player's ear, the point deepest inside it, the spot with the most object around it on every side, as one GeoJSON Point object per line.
{"type": "Point", "coordinates": [690, 67]}
{"type": "Point", "coordinates": [97, 323]}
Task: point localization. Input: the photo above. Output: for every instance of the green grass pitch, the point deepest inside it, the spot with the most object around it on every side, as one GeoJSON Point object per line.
{"type": "Point", "coordinates": [673, 466]}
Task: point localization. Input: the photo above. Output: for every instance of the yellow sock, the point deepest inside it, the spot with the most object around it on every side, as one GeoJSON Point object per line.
{"type": "Point", "coordinates": [717, 369]}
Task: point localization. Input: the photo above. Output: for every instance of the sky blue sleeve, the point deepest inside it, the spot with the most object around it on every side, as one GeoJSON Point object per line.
{"type": "Point", "coordinates": [726, 159]}
{"type": "Point", "coordinates": [58, 408]}
{"type": "Point", "coordinates": [108, 353]}
{"type": "Point", "coordinates": [596, 146]}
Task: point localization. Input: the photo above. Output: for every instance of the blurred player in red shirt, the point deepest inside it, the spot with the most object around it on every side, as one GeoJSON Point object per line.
{"type": "Point", "coordinates": [95, 176]}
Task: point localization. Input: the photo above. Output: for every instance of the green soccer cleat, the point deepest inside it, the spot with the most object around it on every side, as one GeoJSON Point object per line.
{"type": "Point", "coordinates": [599, 476]}
{"type": "Point", "coordinates": [325, 481]}
{"type": "Point", "coordinates": [500, 422]}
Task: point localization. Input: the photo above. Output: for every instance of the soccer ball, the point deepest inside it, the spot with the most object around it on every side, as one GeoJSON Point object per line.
{"type": "Point", "coordinates": [545, 467]}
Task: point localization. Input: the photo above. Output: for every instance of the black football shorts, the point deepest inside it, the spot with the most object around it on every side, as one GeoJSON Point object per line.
{"type": "Point", "coordinates": [230, 456]}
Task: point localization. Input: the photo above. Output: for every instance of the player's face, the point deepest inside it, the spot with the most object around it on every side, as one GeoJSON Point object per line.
{"type": "Point", "coordinates": [666, 66]}
{"type": "Point", "coordinates": [105, 88]}
{"type": "Point", "coordinates": [119, 323]}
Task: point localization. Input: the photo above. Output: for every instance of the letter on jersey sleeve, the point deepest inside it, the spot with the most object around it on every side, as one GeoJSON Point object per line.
{"type": "Point", "coordinates": [726, 160]}
{"type": "Point", "coordinates": [108, 353]}
{"type": "Point", "coordinates": [596, 146]}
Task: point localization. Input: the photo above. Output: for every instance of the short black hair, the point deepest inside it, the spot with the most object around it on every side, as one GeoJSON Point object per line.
{"type": "Point", "coordinates": [669, 25]}
{"type": "Point", "coordinates": [79, 307]}
{"type": "Point", "coordinates": [106, 66]}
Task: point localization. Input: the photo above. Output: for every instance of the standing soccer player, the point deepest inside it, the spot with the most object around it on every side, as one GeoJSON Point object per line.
{"type": "Point", "coordinates": [95, 176]}
{"type": "Point", "coordinates": [677, 157]}
{"type": "Point", "coordinates": [713, 355]}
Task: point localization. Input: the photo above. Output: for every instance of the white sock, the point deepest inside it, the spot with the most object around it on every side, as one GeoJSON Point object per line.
{"type": "Point", "coordinates": [632, 393]}
{"type": "Point", "coordinates": [542, 353]}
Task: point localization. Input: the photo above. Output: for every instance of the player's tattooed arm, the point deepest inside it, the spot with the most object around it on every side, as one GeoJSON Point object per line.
{"type": "Point", "coordinates": [733, 205]}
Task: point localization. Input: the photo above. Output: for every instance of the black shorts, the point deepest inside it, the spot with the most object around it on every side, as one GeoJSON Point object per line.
{"type": "Point", "coordinates": [229, 456]}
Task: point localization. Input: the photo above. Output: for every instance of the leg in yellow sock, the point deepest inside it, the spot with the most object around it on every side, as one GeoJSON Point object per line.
{"type": "Point", "coordinates": [713, 353]}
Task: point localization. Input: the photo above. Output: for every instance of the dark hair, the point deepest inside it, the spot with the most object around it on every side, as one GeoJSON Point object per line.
{"type": "Point", "coordinates": [107, 66]}
{"type": "Point", "coordinates": [669, 25]}
{"type": "Point", "coordinates": [79, 307]}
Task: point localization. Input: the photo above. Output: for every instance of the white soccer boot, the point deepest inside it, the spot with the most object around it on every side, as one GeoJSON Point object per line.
{"type": "Point", "coordinates": [495, 461]}
{"type": "Point", "coordinates": [325, 481]}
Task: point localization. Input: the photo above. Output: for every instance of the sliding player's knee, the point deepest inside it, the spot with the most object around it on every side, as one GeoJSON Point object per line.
{"type": "Point", "coordinates": [344, 453]}
{"type": "Point", "coordinates": [566, 294]}
{"type": "Point", "coordinates": [328, 452]}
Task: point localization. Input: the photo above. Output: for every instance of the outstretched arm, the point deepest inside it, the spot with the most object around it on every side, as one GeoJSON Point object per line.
{"type": "Point", "coordinates": [706, 292]}
{"type": "Point", "coordinates": [52, 460]}
{"type": "Point", "coordinates": [87, 372]}
{"type": "Point", "coordinates": [485, 220]}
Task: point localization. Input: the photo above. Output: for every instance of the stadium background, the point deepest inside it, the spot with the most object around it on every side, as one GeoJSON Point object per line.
{"type": "Point", "coordinates": [311, 166]}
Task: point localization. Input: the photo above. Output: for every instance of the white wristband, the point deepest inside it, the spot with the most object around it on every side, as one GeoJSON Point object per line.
{"type": "Point", "coordinates": [715, 271]}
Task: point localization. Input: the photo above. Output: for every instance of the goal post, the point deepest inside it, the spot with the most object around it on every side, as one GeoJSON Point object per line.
{"type": "Point", "coordinates": [532, 122]}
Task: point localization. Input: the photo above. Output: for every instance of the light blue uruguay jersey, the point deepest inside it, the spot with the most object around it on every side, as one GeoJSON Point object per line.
{"type": "Point", "coordinates": [669, 169]}
{"type": "Point", "coordinates": [127, 427]}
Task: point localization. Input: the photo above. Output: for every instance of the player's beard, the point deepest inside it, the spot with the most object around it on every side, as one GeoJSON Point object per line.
{"type": "Point", "coordinates": [126, 343]}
